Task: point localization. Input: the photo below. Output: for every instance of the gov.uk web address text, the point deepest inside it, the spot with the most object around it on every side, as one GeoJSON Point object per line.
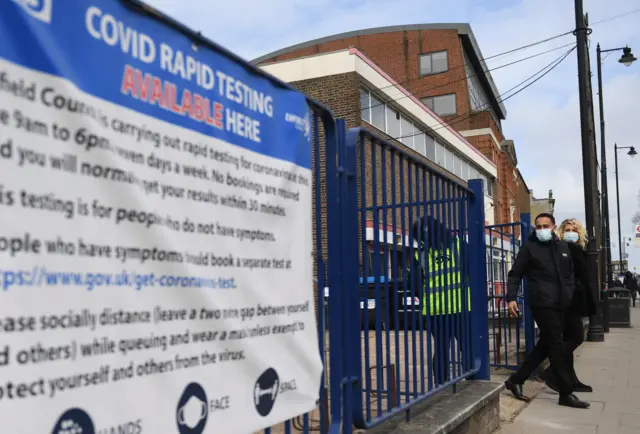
{"type": "Point", "coordinates": [40, 276]}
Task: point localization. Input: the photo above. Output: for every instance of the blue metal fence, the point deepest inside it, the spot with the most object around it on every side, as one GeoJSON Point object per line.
{"type": "Point", "coordinates": [511, 338]}
{"type": "Point", "coordinates": [414, 297]}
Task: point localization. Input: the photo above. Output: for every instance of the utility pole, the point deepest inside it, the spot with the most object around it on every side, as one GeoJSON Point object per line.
{"type": "Point", "coordinates": [607, 274]}
{"type": "Point", "coordinates": [595, 334]}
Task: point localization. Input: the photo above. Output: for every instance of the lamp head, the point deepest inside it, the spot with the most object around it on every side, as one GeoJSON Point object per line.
{"type": "Point", "coordinates": [632, 152]}
{"type": "Point", "coordinates": [627, 58]}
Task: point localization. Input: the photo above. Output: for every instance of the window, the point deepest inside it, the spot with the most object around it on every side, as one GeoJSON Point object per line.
{"type": "Point", "coordinates": [377, 113]}
{"type": "Point", "coordinates": [440, 154]}
{"type": "Point", "coordinates": [448, 160]}
{"type": "Point", "coordinates": [442, 105]}
{"type": "Point", "coordinates": [365, 104]}
{"type": "Point", "coordinates": [457, 166]}
{"type": "Point", "coordinates": [488, 185]}
{"type": "Point", "coordinates": [465, 170]}
{"type": "Point", "coordinates": [406, 132]}
{"type": "Point", "coordinates": [393, 122]}
{"type": "Point", "coordinates": [430, 148]}
{"type": "Point", "coordinates": [434, 63]}
{"type": "Point", "coordinates": [419, 143]}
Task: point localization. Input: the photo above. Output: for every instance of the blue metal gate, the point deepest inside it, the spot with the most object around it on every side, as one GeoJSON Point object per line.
{"type": "Point", "coordinates": [510, 338]}
{"type": "Point", "coordinates": [415, 310]}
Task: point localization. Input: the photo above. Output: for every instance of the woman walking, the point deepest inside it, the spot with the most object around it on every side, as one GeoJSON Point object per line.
{"type": "Point", "coordinates": [583, 303]}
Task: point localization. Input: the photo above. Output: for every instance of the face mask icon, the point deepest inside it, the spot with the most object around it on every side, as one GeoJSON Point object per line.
{"type": "Point", "coordinates": [192, 410]}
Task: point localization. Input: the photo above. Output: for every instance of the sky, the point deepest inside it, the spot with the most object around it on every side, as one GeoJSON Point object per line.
{"type": "Point", "coordinates": [543, 120]}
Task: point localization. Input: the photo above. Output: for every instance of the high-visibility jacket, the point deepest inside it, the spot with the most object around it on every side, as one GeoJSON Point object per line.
{"type": "Point", "coordinates": [445, 279]}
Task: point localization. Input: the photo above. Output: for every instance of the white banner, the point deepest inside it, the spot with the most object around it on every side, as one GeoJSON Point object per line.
{"type": "Point", "coordinates": [155, 231]}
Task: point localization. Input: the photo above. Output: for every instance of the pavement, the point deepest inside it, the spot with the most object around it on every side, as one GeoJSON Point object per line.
{"type": "Point", "coordinates": [609, 367]}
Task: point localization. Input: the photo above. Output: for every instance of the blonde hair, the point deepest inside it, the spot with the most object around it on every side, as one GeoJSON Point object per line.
{"type": "Point", "coordinates": [583, 238]}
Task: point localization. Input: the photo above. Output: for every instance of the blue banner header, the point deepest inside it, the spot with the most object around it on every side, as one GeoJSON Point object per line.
{"type": "Point", "coordinates": [128, 58]}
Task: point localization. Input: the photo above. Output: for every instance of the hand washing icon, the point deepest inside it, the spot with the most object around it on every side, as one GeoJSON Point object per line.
{"type": "Point", "coordinates": [69, 426]}
{"type": "Point", "coordinates": [74, 421]}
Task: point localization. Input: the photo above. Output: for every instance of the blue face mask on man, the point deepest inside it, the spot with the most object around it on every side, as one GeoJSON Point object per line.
{"type": "Point", "coordinates": [544, 235]}
{"type": "Point", "coordinates": [571, 237]}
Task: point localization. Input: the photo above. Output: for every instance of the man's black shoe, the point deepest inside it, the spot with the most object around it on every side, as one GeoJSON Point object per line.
{"type": "Point", "coordinates": [579, 387]}
{"type": "Point", "coordinates": [516, 390]}
{"type": "Point", "coordinates": [573, 402]}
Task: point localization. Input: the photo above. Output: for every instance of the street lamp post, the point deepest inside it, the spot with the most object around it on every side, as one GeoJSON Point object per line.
{"type": "Point", "coordinates": [626, 59]}
{"type": "Point", "coordinates": [632, 153]}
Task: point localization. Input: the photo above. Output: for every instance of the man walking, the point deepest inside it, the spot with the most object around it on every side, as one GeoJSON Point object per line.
{"type": "Point", "coordinates": [631, 284]}
{"type": "Point", "coordinates": [546, 262]}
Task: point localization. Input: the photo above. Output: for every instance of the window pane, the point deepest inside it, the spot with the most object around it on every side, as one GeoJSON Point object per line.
{"type": "Point", "coordinates": [393, 122]}
{"type": "Point", "coordinates": [474, 174]}
{"type": "Point", "coordinates": [419, 143]}
{"type": "Point", "coordinates": [428, 102]}
{"type": "Point", "coordinates": [406, 132]}
{"type": "Point", "coordinates": [431, 148]}
{"type": "Point", "coordinates": [457, 163]}
{"type": "Point", "coordinates": [439, 62]}
{"type": "Point", "coordinates": [377, 113]}
{"type": "Point", "coordinates": [445, 104]}
{"type": "Point", "coordinates": [448, 160]}
{"type": "Point", "coordinates": [439, 153]}
{"type": "Point", "coordinates": [465, 170]}
{"type": "Point", "coordinates": [425, 64]}
{"type": "Point", "coordinates": [364, 104]}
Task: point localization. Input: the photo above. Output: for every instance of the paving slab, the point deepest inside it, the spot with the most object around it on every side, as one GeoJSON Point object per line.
{"type": "Point", "coordinates": [613, 369]}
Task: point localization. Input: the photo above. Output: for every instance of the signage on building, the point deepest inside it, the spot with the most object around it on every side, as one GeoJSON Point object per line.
{"type": "Point", "coordinates": [155, 206]}
{"type": "Point", "coordinates": [637, 235]}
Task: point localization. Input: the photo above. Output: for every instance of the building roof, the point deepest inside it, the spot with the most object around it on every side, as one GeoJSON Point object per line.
{"type": "Point", "coordinates": [469, 43]}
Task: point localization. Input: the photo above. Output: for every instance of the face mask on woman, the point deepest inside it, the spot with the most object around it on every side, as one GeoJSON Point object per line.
{"type": "Point", "coordinates": [571, 237]}
{"type": "Point", "coordinates": [544, 235]}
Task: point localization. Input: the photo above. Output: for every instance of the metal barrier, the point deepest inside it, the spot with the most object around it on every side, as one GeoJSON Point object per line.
{"type": "Point", "coordinates": [415, 308]}
{"type": "Point", "coordinates": [511, 337]}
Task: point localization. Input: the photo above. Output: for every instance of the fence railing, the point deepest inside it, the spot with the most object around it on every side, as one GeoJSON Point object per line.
{"type": "Point", "coordinates": [415, 305]}
{"type": "Point", "coordinates": [511, 338]}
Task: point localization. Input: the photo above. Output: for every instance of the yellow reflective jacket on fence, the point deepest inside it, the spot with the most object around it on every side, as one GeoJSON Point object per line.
{"type": "Point", "coordinates": [444, 274]}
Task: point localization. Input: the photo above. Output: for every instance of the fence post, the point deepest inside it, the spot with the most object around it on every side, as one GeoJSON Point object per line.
{"type": "Point", "coordinates": [529, 327]}
{"type": "Point", "coordinates": [478, 280]}
{"type": "Point", "coordinates": [334, 146]}
{"type": "Point", "coordinates": [351, 266]}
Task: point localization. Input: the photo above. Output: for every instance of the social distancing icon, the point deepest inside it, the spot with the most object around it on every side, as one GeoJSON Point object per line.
{"type": "Point", "coordinates": [265, 392]}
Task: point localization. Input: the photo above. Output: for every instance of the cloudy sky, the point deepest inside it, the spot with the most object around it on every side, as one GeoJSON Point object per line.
{"type": "Point", "coordinates": [543, 120]}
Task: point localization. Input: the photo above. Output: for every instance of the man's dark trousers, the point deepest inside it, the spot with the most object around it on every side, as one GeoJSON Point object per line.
{"type": "Point", "coordinates": [551, 324]}
{"type": "Point", "coordinates": [573, 338]}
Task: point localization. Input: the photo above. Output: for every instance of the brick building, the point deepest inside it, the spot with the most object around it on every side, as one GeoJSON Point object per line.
{"type": "Point", "coordinates": [360, 92]}
{"type": "Point", "coordinates": [442, 66]}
